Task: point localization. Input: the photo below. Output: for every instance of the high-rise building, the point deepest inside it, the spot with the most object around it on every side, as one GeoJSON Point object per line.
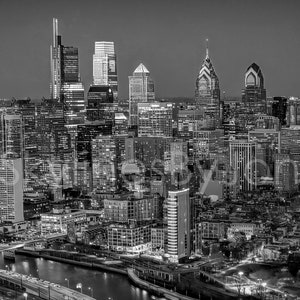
{"type": "Point", "coordinates": [286, 173]}
{"type": "Point", "coordinates": [141, 89]}
{"type": "Point", "coordinates": [11, 134]}
{"type": "Point", "coordinates": [243, 162]}
{"type": "Point", "coordinates": [179, 220]}
{"type": "Point", "coordinates": [268, 145]}
{"type": "Point", "coordinates": [254, 93]}
{"type": "Point", "coordinates": [11, 190]}
{"type": "Point", "coordinates": [105, 66]}
{"type": "Point", "coordinates": [293, 111]}
{"type": "Point", "coordinates": [155, 119]}
{"type": "Point", "coordinates": [73, 96]}
{"type": "Point", "coordinates": [65, 83]}
{"type": "Point", "coordinates": [104, 163]}
{"type": "Point", "coordinates": [279, 109]}
{"type": "Point", "coordinates": [207, 93]}
{"type": "Point", "coordinates": [100, 104]}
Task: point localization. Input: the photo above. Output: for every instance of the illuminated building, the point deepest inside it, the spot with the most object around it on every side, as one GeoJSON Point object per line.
{"type": "Point", "coordinates": [243, 162]}
{"type": "Point", "coordinates": [104, 164]}
{"type": "Point", "coordinates": [128, 238]}
{"type": "Point", "coordinates": [11, 190]}
{"type": "Point", "coordinates": [254, 93]}
{"type": "Point", "coordinates": [268, 145]}
{"type": "Point", "coordinates": [178, 215]}
{"type": "Point", "coordinates": [286, 173]}
{"type": "Point", "coordinates": [73, 96]}
{"type": "Point", "coordinates": [11, 134]}
{"type": "Point", "coordinates": [293, 111]}
{"type": "Point", "coordinates": [100, 104]}
{"type": "Point", "coordinates": [207, 93]}
{"type": "Point", "coordinates": [155, 119]}
{"type": "Point", "coordinates": [141, 89]}
{"type": "Point", "coordinates": [105, 66]}
{"type": "Point", "coordinates": [65, 83]}
{"type": "Point", "coordinates": [122, 208]}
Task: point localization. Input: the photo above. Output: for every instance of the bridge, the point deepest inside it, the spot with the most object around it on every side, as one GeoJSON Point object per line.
{"type": "Point", "coordinates": [45, 238]}
{"type": "Point", "coordinates": [41, 288]}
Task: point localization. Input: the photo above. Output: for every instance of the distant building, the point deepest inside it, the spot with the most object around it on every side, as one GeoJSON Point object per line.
{"type": "Point", "coordinates": [100, 104]}
{"type": "Point", "coordinates": [104, 163]}
{"type": "Point", "coordinates": [207, 93]}
{"type": "Point", "coordinates": [155, 119]}
{"type": "Point", "coordinates": [254, 93]}
{"type": "Point", "coordinates": [293, 111]}
{"type": "Point", "coordinates": [11, 190]}
{"type": "Point", "coordinates": [141, 89]}
{"type": "Point", "coordinates": [65, 83]}
{"type": "Point", "coordinates": [279, 109]}
{"type": "Point", "coordinates": [105, 66]}
{"type": "Point", "coordinates": [243, 156]}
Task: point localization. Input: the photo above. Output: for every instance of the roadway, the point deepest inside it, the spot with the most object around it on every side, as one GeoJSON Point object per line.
{"type": "Point", "coordinates": [42, 288]}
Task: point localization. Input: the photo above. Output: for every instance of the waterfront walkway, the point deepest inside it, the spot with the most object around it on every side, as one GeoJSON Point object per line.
{"type": "Point", "coordinates": [155, 288]}
{"type": "Point", "coordinates": [42, 289]}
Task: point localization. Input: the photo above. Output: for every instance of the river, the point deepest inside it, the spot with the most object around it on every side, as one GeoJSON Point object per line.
{"type": "Point", "coordinates": [104, 285]}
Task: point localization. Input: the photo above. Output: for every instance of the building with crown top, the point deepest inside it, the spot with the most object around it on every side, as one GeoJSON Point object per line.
{"type": "Point", "coordinates": [207, 93]}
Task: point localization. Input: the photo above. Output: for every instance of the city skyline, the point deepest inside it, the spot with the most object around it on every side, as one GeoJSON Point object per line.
{"type": "Point", "coordinates": [161, 44]}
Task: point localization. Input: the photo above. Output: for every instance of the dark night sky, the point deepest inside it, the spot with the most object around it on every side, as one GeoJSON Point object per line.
{"type": "Point", "coordinates": [168, 36]}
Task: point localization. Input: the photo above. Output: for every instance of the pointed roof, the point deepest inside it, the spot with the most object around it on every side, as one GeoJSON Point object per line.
{"type": "Point", "coordinates": [141, 69]}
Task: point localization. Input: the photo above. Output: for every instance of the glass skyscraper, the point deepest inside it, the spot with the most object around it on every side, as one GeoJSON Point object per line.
{"type": "Point", "coordinates": [65, 82]}
{"type": "Point", "coordinates": [105, 66]}
{"type": "Point", "coordinates": [141, 89]}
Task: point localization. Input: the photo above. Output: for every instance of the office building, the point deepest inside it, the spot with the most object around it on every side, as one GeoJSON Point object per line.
{"type": "Point", "coordinates": [178, 215]}
{"type": "Point", "coordinates": [100, 104]}
{"type": "Point", "coordinates": [254, 93]}
{"type": "Point", "coordinates": [104, 164]}
{"type": "Point", "coordinates": [11, 189]}
{"type": "Point", "coordinates": [105, 66]}
{"type": "Point", "coordinates": [155, 119]}
{"type": "Point", "coordinates": [243, 156]}
{"type": "Point", "coordinates": [65, 83]}
{"type": "Point", "coordinates": [141, 89]}
{"type": "Point", "coordinates": [207, 93]}
{"type": "Point", "coordinates": [293, 111]}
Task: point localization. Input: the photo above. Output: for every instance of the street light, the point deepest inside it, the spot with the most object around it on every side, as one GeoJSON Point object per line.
{"type": "Point", "coordinates": [66, 279]}
{"type": "Point", "coordinates": [25, 296]}
{"type": "Point", "coordinates": [92, 291]}
{"type": "Point", "coordinates": [79, 286]}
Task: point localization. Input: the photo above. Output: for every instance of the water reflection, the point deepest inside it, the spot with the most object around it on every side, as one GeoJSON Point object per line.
{"type": "Point", "coordinates": [104, 285]}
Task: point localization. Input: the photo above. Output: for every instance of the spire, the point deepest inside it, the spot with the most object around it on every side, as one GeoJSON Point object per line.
{"type": "Point", "coordinates": [206, 43]}
{"type": "Point", "coordinates": [55, 32]}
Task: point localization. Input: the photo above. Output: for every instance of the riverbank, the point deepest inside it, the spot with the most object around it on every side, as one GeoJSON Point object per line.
{"type": "Point", "coordinates": [92, 265]}
{"type": "Point", "coordinates": [122, 268]}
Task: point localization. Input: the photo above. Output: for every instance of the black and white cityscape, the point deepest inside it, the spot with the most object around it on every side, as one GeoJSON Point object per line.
{"type": "Point", "coordinates": [152, 153]}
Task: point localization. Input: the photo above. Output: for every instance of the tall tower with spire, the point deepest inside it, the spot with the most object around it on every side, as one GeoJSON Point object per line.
{"type": "Point", "coordinates": [207, 93]}
{"type": "Point", "coordinates": [65, 83]}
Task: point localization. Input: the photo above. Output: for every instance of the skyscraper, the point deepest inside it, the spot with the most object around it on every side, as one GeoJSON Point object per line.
{"type": "Point", "coordinates": [104, 158]}
{"type": "Point", "coordinates": [65, 83]}
{"type": "Point", "coordinates": [243, 162]}
{"type": "Point", "coordinates": [179, 220]}
{"type": "Point", "coordinates": [254, 93]}
{"type": "Point", "coordinates": [105, 66]}
{"type": "Point", "coordinates": [207, 93]}
{"type": "Point", "coordinates": [11, 135]}
{"type": "Point", "coordinates": [11, 190]}
{"type": "Point", "coordinates": [141, 89]}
